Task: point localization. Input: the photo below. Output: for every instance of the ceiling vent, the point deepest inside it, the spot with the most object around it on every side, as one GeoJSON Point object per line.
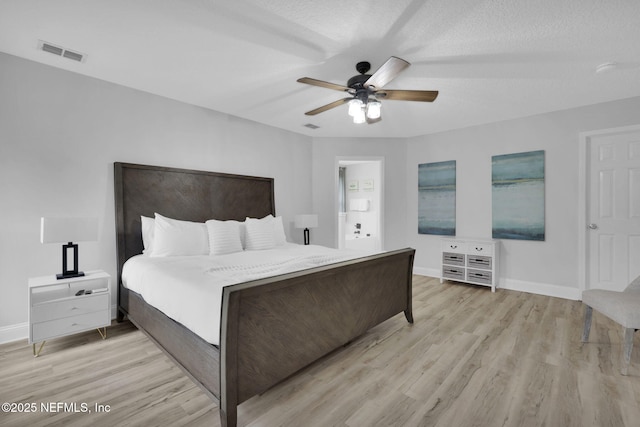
{"type": "Point", "coordinates": [311, 126]}
{"type": "Point", "coordinates": [61, 51]}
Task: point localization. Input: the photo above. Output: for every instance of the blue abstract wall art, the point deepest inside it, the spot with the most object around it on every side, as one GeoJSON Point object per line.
{"type": "Point", "coordinates": [437, 198]}
{"type": "Point", "coordinates": [517, 182]}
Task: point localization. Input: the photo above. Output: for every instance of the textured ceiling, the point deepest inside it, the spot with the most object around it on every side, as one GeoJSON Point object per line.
{"type": "Point", "coordinates": [491, 60]}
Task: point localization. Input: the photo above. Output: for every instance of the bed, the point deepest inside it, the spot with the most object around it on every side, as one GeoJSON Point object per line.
{"type": "Point", "coordinates": [270, 328]}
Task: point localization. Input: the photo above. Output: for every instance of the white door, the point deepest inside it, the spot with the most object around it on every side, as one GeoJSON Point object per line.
{"type": "Point", "coordinates": [613, 215]}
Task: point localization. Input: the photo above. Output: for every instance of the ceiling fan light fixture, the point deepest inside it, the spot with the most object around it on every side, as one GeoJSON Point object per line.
{"type": "Point", "coordinates": [360, 117]}
{"type": "Point", "coordinates": [374, 109]}
{"type": "Point", "coordinates": [355, 106]}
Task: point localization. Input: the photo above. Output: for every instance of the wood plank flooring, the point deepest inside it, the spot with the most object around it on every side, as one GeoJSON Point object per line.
{"type": "Point", "coordinates": [472, 358]}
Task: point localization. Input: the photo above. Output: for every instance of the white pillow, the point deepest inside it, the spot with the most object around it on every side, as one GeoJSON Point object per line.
{"type": "Point", "coordinates": [278, 229]}
{"type": "Point", "coordinates": [260, 233]}
{"type": "Point", "coordinates": [224, 237]}
{"type": "Point", "coordinates": [173, 237]}
{"type": "Point", "coordinates": [148, 227]}
{"type": "Point", "coordinates": [264, 233]}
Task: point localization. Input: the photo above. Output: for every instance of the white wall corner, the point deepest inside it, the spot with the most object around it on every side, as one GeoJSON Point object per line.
{"type": "Point", "coordinates": [12, 333]}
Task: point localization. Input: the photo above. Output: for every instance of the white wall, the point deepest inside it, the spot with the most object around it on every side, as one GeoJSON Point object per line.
{"type": "Point", "coordinates": [392, 152]}
{"type": "Point", "coordinates": [549, 267]}
{"type": "Point", "coordinates": [59, 136]}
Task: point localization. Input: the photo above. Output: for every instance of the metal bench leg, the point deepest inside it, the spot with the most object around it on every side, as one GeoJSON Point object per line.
{"type": "Point", "coordinates": [626, 349]}
{"type": "Point", "coordinates": [588, 312]}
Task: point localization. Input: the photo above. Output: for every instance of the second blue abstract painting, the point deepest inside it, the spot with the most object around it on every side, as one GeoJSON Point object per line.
{"type": "Point", "coordinates": [518, 196]}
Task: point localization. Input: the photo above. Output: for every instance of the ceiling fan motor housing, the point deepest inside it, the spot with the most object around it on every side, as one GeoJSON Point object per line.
{"type": "Point", "coordinates": [357, 82]}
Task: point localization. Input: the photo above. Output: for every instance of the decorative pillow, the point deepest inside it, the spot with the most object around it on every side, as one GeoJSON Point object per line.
{"type": "Point", "coordinates": [264, 233]}
{"type": "Point", "coordinates": [173, 237]}
{"type": "Point", "coordinates": [148, 227]}
{"type": "Point", "coordinates": [224, 237]}
{"type": "Point", "coordinates": [260, 233]}
{"type": "Point", "coordinates": [278, 229]}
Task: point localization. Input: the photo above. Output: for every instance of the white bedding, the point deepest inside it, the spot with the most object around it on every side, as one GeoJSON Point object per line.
{"type": "Point", "coordinates": [188, 289]}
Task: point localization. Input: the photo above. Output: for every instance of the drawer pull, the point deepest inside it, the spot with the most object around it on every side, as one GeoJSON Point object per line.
{"type": "Point", "coordinates": [453, 246]}
{"type": "Point", "coordinates": [479, 249]}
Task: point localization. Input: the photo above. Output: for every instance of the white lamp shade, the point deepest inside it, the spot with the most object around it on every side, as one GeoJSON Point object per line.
{"type": "Point", "coordinates": [306, 221]}
{"type": "Point", "coordinates": [63, 230]}
{"type": "Point", "coordinates": [359, 117]}
{"type": "Point", "coordinates": [355, 106]}
{"type": "Point", "coordinates": [373, 109]}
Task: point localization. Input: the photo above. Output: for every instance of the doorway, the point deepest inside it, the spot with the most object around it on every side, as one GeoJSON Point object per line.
{"type": "Point", "coordinates": [359, 201]}
{"type": "Point", "coordinates": [610, 199]}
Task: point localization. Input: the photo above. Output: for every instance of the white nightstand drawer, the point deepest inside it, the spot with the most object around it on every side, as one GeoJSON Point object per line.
{"type": "Point", "coordinates": [70, 307]}
{"type": "Point", "coordinates": [54, 328]}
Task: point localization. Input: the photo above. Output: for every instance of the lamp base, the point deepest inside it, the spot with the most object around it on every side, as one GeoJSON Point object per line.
{"type": "Point", "coordinates": [69, 275]}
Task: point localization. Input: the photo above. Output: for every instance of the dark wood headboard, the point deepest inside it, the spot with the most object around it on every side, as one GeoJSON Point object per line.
{"type": "Point", "coordinates": [189, 195]}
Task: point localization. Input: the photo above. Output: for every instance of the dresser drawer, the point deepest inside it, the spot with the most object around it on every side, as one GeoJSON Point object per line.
{"type": "Point", "coordinates": [454, 246]}
{"type": "Point", "coordinates": [480, 248]}
{"type": "Point", "coordinates": [70, 307]}
{"type": "Point", "coordinates": [55, 328]}
{"type": "Point", "coordinates": [479, 276]}
{"type": "Point", "coordinates": [479, 261]}
{"type": "Point", "coordinates": [452, 258]}
{"type": "Point", "coordinates": [454, 273]}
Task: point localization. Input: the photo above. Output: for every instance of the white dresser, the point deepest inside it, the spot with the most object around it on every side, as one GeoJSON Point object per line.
{"type": "Point", "coordinates": [55, 310]}
{"type": "Point", "coordinates": [471, 261]}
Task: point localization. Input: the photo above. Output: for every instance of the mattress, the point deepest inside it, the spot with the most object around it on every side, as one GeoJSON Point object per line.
{"type": "Point", "coordinates": [188, 289]}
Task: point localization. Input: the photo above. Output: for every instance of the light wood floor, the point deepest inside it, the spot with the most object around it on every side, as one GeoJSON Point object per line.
{"type": "Point", "coordinates": [472, 358]}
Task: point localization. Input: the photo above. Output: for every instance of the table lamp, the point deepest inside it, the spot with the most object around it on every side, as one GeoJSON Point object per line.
{"type": "Point", "coordinates": [68, 230]}
{"type": "Point", "coordinates": [306, 221]}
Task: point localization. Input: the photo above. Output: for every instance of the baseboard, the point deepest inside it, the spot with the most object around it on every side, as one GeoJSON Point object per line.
{"type": "Point", "coordinates": [541, 289]}
{"type": "Point", "coordinates": [519, 285]}
{"type": "Point", "coordinates": [14, 333]}
{"type": "Point", "coordinates": [429, 272]}
{"type": "Point", "coordinates": [20, 331]}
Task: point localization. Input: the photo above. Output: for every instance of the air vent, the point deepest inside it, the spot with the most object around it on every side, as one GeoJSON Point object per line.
{"type": "Point", "coordinates": [60, 51]}
{"type": "Point", "coordinates": [52, 49]}
{"type": "Point", "coordinates": [311, 126]}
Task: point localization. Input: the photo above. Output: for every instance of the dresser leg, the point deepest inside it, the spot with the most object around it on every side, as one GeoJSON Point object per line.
{"type": "Point", "coordinates": [37, 353]}
{"type": "Point", "coordinates": [103, 332]}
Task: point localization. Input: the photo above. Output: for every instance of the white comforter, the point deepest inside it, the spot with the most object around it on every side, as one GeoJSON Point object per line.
{"type": "Point", "coordinates": [188, 289]}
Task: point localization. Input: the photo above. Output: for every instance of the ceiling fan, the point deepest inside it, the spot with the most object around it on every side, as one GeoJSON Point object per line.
{"type": "Point", "coordinates": [366, 91]}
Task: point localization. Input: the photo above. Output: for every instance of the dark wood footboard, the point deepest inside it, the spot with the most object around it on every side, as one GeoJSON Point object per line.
{"type": "Point", "coordinates": [272, 328]}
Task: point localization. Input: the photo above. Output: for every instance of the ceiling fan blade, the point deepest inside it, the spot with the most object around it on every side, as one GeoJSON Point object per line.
{"type": "Point", "coordinates": [387, 72]}
{"type": "Point", "coordinates": [408, 95]}
{"type": "Point", "coordinates": [322, 83]}
{"type": "Point", "coordinates": [324, 108]}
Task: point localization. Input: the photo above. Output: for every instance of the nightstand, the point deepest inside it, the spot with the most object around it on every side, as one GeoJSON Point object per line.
{"type": "Point", "coordinates": [56, 311]}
